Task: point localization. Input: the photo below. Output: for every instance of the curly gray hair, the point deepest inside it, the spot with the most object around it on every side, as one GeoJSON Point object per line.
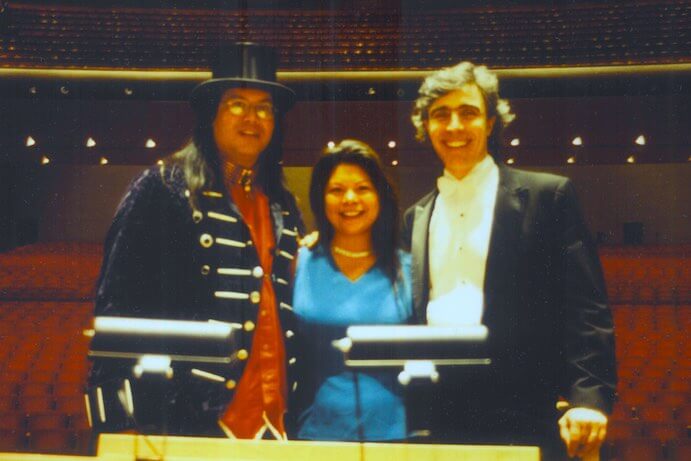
{"type": "Point", "coordinates": [453, 78]}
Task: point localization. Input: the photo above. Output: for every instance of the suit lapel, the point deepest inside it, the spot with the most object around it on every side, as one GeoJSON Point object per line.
{"type": "Point", "coordinates": [504, 246]}
{"type": "Point", "coordinates": [420, 254]}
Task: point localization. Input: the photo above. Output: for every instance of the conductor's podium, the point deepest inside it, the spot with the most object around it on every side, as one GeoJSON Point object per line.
{"type": "Point", "coordinates": [122, 447]}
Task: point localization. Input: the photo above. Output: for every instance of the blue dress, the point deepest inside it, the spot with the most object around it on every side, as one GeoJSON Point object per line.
{"type": "Point", "coordinates": [333, 398]}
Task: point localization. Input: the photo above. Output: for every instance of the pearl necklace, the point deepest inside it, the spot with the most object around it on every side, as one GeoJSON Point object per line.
{"type": "Point", "coordinates": [351, 254]}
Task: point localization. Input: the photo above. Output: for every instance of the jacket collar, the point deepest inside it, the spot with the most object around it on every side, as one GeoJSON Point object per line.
{"type": "Point", "coordinates": [504, 238]}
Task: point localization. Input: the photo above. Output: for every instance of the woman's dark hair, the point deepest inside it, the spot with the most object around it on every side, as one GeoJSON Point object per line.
{"type": "Point", "coordinates": [385, 227]}
{"type": "Point", "coordinates": [200, 163]}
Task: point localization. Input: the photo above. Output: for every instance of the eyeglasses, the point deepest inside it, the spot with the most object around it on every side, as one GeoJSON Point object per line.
{"type": "Point", "coordinates": [465, 114]}
{"type": "Point", "coordinates": [240, 108]}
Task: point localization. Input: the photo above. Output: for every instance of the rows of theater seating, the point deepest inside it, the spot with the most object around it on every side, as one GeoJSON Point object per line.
{"type": "Point", "coordinates": [43, 365]}
{"type": "Point", "coordinates": [45, 305]}
{"type": "Point", "coordinates": [624, 33]}
{"type": "Point", "coordinates": [650, 292]}
{"type": "Point", "coordinates": [652, 416]}
{"type": "Point", "coordinates": [44, 368]}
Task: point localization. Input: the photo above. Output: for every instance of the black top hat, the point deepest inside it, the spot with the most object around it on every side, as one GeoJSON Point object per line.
{"type": "Point", "coordinates": [243, 64]}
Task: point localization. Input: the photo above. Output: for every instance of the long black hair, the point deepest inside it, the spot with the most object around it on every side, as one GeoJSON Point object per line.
{"type": "Point", "coordinates": [201, 166]}
{"type": "Point", "coordinates": [385, 227]}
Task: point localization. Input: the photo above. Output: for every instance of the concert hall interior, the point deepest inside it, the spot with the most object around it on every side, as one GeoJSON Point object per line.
{"type": "Point", "coordinates": [91, 93]}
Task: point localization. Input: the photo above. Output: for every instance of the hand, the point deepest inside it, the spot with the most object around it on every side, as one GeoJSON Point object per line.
{"type": "Point", "coordinates": [583, 430]}
{"type": "Point", "coordinates": [309, 240]}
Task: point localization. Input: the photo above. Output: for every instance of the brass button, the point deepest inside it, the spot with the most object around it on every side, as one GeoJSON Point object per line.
{"type": "Point", "coordinates": [249, 325]}
{"type": "Point", "coordinates": [230, 384]}
{"type": "Point", "coordinates": [258, 272]}
{"type": "Point", "coordinates": [242, 354]}
{"type": "Point", "coordinates": [289, 334]}
{"type": "Point", "coordinates": [206, 240]}
{"type": "Point", "coordinates": [205, 269]}
{"type": "Point", "coordinates": [255, 297]}
{"type": "Point", "coordinates": [197, 216]}
{"type": "Point", "coordinates": [292, 361]}
{"type": "Point", "coordinates": [250, 243]}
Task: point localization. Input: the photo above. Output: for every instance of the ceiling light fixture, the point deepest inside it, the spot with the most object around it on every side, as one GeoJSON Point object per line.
{"type": "Point", "coordinates": [150, 143]}
{"type": "Point", "coordinates": [104, 161]}
{"type": "Point", "coordinates": [511, 161]}
{"type": "Point", "coordinates": [631, 159]}
{"type": "Point", "coordinates": [391, 144]}
{"type": "Point", "coordinates": [45, 160]}
{"type": "Point", "coordinates": [515, 142]}
{"type": "Point", "coordinates": [30, 142]}
{"type": "Point", "coordinates": [571, 160]}
{"type": "Point", "coordinates": [330, 144]}
{"type": "Point", "coordinates": [394, 162]}
{"type": "Point", "coordinates": [577, 141]}
{"type": "Point", "coordinates": [90, 142]}
{"type": "Point", "coordinates": [640, 140]}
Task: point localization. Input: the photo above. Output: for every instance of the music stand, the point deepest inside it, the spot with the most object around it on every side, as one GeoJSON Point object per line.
{"type": "Point", "coordinates": [154, 350]}
{"type": "Point", "coordinates": [417, 350]}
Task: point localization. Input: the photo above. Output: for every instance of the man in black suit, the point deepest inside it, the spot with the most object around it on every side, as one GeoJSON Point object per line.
{"type": "Point", "coordinates": [508, 249]}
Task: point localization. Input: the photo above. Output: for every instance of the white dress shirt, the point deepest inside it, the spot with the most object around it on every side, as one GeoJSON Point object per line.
{"type": "Point", "coordinates": [458, 244]}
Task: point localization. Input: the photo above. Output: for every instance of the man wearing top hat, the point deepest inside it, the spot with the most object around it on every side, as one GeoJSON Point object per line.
{"type": "Point", "coordinates": [211, 234]}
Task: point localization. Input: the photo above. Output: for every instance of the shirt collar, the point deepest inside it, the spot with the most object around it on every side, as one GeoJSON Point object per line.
{"type": "Point", "coordinates": [477, 176]}
{"type": "Point", "coordinates": [238, 175]}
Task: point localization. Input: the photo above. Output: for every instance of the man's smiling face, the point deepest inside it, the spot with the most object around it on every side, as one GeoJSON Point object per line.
{"type": "Point", "coordinates": [244, 125]}
{"type": "Point", "coordinates": [458, 128]}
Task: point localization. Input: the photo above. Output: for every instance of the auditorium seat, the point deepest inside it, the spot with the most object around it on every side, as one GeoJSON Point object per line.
{"type": "Point", "coordinates": [646, 384]}
{"type": "Point", "coordinates": [655, 413]}
{"type": "Point", "coordinates": [673, 399]}
{"type": "Point", "coordinates": [639, 449]}
{"type": "Point", "coordinates": [51, 441]}
{"type": "Point", "coordinates": [8, 404]}
{"type": "Point", "coordinates": [635, 397]}
{"type": "Point", "coordinates": [70, 405]}
{"type": "Point", "coordinates": [8, 390]}
{"type": "Point", "coordinates": [35, 404]}
{"type": "Point", "coordinates": [12, 440]}
{"type": "Point", "coordinates": [681, 449]}
{"type": "Point", "coordinates": [34, 389]}
{"type": "Point", "coordinates": [46, 420]}
{"type": "Point", "coordinates": [665, 432]}
{"type": "Point", "coordinates": [676, 384]}
{"type": "Point", "coordinates": [12, 420]}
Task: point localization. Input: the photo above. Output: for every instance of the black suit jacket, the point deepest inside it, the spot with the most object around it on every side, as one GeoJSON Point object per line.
{"type": "Point", "coordinates": [546, 309]}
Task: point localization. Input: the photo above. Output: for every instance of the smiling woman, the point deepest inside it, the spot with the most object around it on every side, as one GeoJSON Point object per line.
{"type": "Point", "coordinates": [352, 206]}
{"type": "Point", "coordinates": [354, 275]}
